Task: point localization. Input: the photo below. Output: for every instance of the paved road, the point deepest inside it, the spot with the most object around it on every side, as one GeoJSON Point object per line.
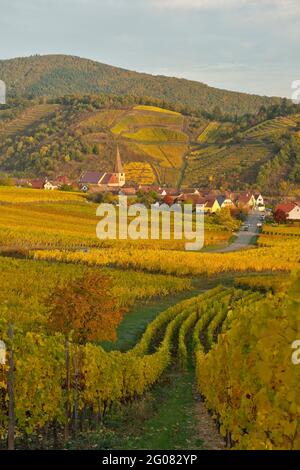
{"type": "Point", "coordinates": [244, 239]}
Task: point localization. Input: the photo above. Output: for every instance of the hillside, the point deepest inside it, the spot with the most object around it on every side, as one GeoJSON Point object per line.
{"type": "Point", "coordinates": [71, 135]}
{"type": "Point", "coordinates": [58, 75]}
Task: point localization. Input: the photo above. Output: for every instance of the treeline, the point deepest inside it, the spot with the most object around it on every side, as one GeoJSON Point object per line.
{"type": "Point", "coordinates": [59, 75]}
{"type": "Point", "coordinates": [282, 173]}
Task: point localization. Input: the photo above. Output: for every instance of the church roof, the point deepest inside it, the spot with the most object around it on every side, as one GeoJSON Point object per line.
{"type": "Point", "coordinates": [118, 164]}
{"type": "Point", "coordinates": [91, 177]}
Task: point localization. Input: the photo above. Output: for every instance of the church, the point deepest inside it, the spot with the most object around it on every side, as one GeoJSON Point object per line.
{"type": "Point", "coordinates": [104, 180]}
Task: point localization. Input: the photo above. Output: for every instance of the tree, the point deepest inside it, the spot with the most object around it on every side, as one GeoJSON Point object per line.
{"type": "Point", "coordinates": [5, 180]}
{"type": "Point", "coordinates": [86, 309]}
{"type": "Point", "coordinates": [280, 216]}
{"type": "Point", "coordinates": [168, 200]}
{"type": "Point", "coordinates": [224, 218]}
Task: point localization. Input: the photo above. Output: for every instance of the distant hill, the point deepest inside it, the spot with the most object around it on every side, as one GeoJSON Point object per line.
{"type": "Point", "coordinates": [58, 75]}
{"type": "Point", "coordinates": [72, 134]}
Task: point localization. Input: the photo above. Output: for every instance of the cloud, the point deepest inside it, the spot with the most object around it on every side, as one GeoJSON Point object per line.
{"type": "Point", "coordinates": [289, 5]}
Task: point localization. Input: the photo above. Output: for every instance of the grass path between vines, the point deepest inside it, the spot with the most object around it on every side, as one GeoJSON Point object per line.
{"type": "Point", "coordinates": [137, 319]}
{"type": "Point", "coordinates": [171, 415]}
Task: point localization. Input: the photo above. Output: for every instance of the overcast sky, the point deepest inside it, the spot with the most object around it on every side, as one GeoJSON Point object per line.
{"type": "Point", "coordinates": [246, 45]}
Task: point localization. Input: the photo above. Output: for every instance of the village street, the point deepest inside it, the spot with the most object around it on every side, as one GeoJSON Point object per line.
{"type": "Point", "coordinates": [244, 238]}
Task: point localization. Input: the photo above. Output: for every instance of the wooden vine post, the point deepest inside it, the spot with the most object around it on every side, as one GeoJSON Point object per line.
{"type": "Point", "coordinates": [10, 391]}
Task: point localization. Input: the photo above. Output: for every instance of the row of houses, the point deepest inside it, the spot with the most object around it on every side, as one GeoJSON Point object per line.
{"type": "Point", "coordinates": [214, 201]}
{"type": "Point", "coordinates": [45, 183]}
{"type": "Point", "coordinates": [115, 183]}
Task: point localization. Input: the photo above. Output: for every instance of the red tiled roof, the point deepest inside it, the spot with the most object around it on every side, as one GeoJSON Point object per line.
{"type": "Point", "coordinates": [62, 180]}
{"type": "Point", "coordinates": [37, 184]}
{"type": "Point", "coordinates": [285, 207]}
{"type": "Point", "coordinates": [129, 191]}
{"type": "Point", "coordinates": [244, 198]}
{"type": "Point", "coordinates": [112, 179]}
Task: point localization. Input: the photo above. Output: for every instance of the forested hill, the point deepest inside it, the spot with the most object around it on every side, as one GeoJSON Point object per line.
{"type": "Point", "coordinates": [71, 134]}
{"type": "Point", "coordinates": [58, 75]}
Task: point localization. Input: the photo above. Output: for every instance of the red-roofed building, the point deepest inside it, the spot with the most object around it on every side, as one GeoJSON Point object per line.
{"type": "Point", "coordinates": [62, 181]}
{"type": "Point", "coordinates": [37, 183]}
{"type": "Point", "coordinates": [245, 200]}
{"type": "Point", "coordinates": [105, 180]}
{"type": "Point", "coordinates": [287, 211]}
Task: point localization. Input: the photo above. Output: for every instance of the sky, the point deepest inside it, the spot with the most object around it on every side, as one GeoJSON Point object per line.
{"type": "Point", "coordinates": [244, 45]}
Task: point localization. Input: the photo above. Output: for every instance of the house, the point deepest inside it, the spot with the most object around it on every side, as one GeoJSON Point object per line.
{"type": "Point", "coordinates": [224, 202]}
{"type": "Point", "coordinates": [105, 180]}
{"type": "Point", "coordinates": [193, 198]}
{"type": "Point", "coordinates": [211, 206]}
{"type": "Point", "coordinates": [62, 181]}
{"type": "Point", "coordinates": [36, 183]}
{"type": "Point", "coordinates": [91, 177]}
{"type": "Point", "coordinates": [294, 214]}
{"type": "Point", "coordinates": [128, 191]}
{"type": "Point", "coordinates": [148, 189]}
{"type": "Point", "coordinates": [190, 191]}
{"type": "Point", "coordinates": [287, 211]}
{"type": "Point", "coordinates": [168, 192]}
{"type": "Point", "coordinates": [246, 200]}
{"type": "Point", "coordinates": [49, 186]}
{"type": "Point", "coordinates": [259, 202]}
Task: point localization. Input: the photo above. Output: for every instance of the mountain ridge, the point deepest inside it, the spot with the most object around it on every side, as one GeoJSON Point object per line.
{"type": "Point", "coordinates": [56, 75]}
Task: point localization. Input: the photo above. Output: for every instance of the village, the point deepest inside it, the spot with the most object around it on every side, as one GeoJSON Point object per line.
{"type": "Point", "coordinates": [100, 184]}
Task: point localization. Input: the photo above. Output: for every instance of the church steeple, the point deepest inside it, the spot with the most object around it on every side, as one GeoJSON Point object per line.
{"type": "Point", "coordinates": [118, 173]}
{"type": "Point", "coordinates": [118, 163]}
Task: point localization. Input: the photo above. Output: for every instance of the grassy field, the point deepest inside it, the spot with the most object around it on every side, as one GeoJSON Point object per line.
{"type": "Point", "coordinates": [164, 419]}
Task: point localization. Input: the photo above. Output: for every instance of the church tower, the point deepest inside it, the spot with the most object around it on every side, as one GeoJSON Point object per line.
{"type": "Point", "coordinates": [118, 172]}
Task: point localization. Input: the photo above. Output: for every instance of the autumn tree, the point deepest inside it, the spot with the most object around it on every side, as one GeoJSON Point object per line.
{"type": "Point", "coordinates": [168, 200]}
{"type": "Point", "coordinates": [86, 308]}
{"type": "Point", "coordinates": [280, 216]}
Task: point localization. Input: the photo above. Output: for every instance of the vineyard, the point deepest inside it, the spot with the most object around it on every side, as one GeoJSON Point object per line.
{"type": "Point", "coordinates": [215, 327]}
{"type": "Point", "coordinates": [69, 222]}
{"type": "Point", "coordinates": [26, 119]}
{"type": "Point", "coordinates": [280, 255]}
{"type": "Point", "coordinates": [140, 173]}
{"type": "Point", "coordinates": [221, 323]}
{"type": "Point", "coordinates": [276, 126]}
{"type": "Point", "coordinates": [208, 132]}
{"type": "Point", "coordinates": [224, 163]}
